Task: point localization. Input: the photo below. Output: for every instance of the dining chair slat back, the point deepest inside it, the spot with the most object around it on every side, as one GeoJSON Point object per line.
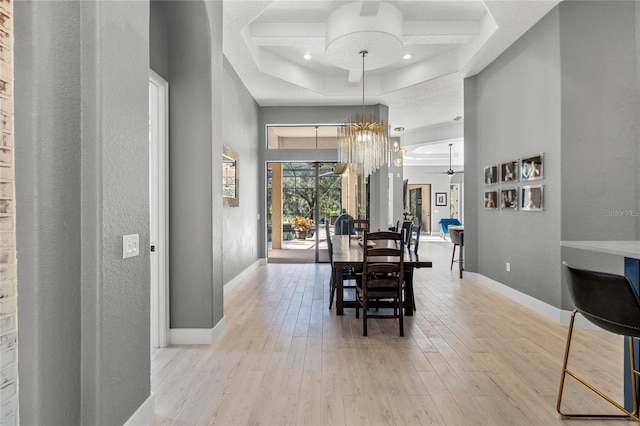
{"type": "Point", "coordinates": [382, 277]}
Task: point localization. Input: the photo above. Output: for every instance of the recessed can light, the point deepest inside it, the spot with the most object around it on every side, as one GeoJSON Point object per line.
{"type": "Point", "coordinates": [307, 57]}
{"type": "Point", "coordinates": [407, 56]}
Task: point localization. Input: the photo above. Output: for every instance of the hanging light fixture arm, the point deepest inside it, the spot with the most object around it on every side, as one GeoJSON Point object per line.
{"type": "Point", "coordinates": [364, 54]}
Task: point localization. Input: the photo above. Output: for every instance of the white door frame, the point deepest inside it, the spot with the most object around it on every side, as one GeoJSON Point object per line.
{"type": "Point", "coordinates": [159, 208]}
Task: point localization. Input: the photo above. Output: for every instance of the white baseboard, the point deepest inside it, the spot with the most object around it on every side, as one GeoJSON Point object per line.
{"type": "Point", "coordinates": [144, 414]}
{"type": "Point", "coordinates": [536, 305]}
{"type": "Point", "coordinates": [238, 278]}
{"type": "Point", "coordinates": [196, 336]}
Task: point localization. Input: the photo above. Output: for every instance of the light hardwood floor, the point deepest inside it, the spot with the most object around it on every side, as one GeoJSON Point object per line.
{"type": "Point", "coordinates": [469, 357]}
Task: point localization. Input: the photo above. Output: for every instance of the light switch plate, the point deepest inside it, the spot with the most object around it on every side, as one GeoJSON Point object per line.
{"type": "Point", "coordinates": [130, 245]}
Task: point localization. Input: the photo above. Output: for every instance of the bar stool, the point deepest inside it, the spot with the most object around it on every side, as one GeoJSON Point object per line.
{"type": "Point", "coordinates": [455, 239]}
{"type": "Point", "coordinates": [611, 302]}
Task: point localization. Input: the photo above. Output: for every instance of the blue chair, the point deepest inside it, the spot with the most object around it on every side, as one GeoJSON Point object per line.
{"type": "Point", "coordinates": [445, 223]}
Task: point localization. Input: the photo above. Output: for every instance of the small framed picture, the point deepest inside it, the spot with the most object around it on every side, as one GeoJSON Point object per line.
{"type": "Point", "coordinates": [490, 200]}
{"type": "Point", "coordinates": [532, 197]}
{"type": "Point", "coordinates": [532, 168]}
{"type": "Point", "coordinates": [490, 175]}
{"type": "Point", "coordinates": [509, 199]}
{"type": "Point", "coordinates": [509, 171]}
{"type": "Point", "coordinates": [441, 198]}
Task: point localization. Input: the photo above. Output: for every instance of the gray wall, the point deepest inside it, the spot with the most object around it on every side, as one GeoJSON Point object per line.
{"type": "Point", "coordinates": [519, 116]}
{"type": "Point", "coordinates": [183, 53]}
{"type": "Point", "coordinates": [600, 139]}
{"type": "Point", "coordinates": [158, 39]}
{"type": "Point", "coordinates": [48, 198]}
{"type": "Point", "coordinates": [599, 121]}
{"type": "Point", "coordinates": [579, 108]}
{"type": "Point", "coordinates": [82, 183]}
{"type": "Point", "coordinates": [214, 13]}
{"type": "Point", "coordinates": [473, 170]}
{"type": "Point", "coordinates": [241, 133]}
{"type": "Point", "coordinates": [397, 183]}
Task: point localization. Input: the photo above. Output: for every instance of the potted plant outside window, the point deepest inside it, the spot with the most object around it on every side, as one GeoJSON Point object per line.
{"type": "Point", "coordinates": [300, 226]}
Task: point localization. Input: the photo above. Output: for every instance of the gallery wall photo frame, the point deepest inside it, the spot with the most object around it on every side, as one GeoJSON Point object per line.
{"type": "Point", "coordinates": [532, 168]}
{"type": "Point", "coordinates": [491, 200]}
{"type": "Point", "coordinates": [441, 199]}
{"type": "Point", "coordinates": [509, 198]}
{"type": "Point", "coordinates": [230, 177]}
{"type": "Point", "coordinates": [532, 197]}
{"type": "Point", "coordinates": [510, 171]}
{"type": "Point", "coordinates": [491, 176]}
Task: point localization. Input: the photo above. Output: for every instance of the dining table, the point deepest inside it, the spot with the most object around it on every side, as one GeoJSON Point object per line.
{"type": "Point", "coordinates": [347, 253]}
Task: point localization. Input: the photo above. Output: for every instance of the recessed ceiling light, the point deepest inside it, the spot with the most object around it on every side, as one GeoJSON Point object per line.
{"type": "Point", "coordinates": [307, 56]}
{"type": "Point", "coordinates": [407, 56]}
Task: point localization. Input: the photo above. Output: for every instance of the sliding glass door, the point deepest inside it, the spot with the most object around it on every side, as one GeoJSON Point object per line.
{"type": "Point", "coordinates": [302, 198]}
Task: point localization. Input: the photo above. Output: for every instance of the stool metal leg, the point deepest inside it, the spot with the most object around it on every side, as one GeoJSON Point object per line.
{"type": "Point", "coordinates": [565, 371]}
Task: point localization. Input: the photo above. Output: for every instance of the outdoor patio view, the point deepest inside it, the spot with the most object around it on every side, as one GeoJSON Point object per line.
{"type": "Point", "coordinates": [301, 229]}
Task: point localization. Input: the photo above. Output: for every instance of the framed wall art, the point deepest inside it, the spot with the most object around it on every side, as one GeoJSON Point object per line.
{"type": "Point", "coordinates": [509, 199]}
{"type": "Point", "coordinates": [509, 171]}
{"type": "Point", "coordinates": [230, 175]}
{"type": "Point", "coordinates": [532, 197]}
{"type": "Point", "coordinates": [532, 168]}
{"type": "Point", "coordinates": [491, 175]}
{"type": "Point", "coordinates": [441, 198]}
{"type": "Point", "coordinates": [491, 200]}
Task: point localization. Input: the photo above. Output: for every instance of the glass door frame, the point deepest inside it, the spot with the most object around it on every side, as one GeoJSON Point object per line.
{"type": "Point", "coordinates": [317, 168]}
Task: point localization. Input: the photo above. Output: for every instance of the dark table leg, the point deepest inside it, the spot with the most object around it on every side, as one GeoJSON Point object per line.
{"type": "Point", "coordinates": [408, 292]}
{"type": "Point", "coordinates": [339, 291]}
{"type": "Point", "coordinates": [461, 252]}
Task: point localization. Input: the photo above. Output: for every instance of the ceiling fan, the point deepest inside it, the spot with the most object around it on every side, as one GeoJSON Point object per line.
{"type": "Point", "coordinates": [451, 172]}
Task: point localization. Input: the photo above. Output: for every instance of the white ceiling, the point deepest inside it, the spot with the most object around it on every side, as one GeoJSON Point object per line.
{"type": "Point", "coordinates": [265, 42]}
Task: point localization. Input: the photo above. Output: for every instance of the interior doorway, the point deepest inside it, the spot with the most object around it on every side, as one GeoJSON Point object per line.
{"type": "Point", "coordinates": [419, 204]}
{"type": "Point", "coordinates": [415, 203]}
{"type": "Point", "coordinates": [159, 209]}
{"type": "Point", "coordinates": [455, 201]}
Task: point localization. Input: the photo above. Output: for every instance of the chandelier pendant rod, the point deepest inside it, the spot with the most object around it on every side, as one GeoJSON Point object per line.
{"type": "Point", "coordinates": [364, 54]}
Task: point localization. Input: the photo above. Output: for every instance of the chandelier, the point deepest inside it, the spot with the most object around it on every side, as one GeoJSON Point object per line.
{"type": "Point", "coordinates": [363, 140]}
{"type": "Point", "coordinates": [398, 151]}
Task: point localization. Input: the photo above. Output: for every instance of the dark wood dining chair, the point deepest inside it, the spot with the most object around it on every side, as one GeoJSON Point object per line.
{"type": "Point", "coordinates": [406, 232]}
{"type": "Point", "coordinates": [360, 225]}
{"type": "Point", "coordinates": [347, 274]}
{"type": "Point", "coordinates": [612, 303]}
{"type": "Point", "coordinates": [414, 239]}
{"type": "Point", "coordinates": [382, 276]}
{"type": "Point", "coordinates": [414, 243]}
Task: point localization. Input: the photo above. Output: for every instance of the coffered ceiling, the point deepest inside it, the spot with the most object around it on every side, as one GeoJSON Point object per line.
{"type": "Point", "coordinates": [266, 43]}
